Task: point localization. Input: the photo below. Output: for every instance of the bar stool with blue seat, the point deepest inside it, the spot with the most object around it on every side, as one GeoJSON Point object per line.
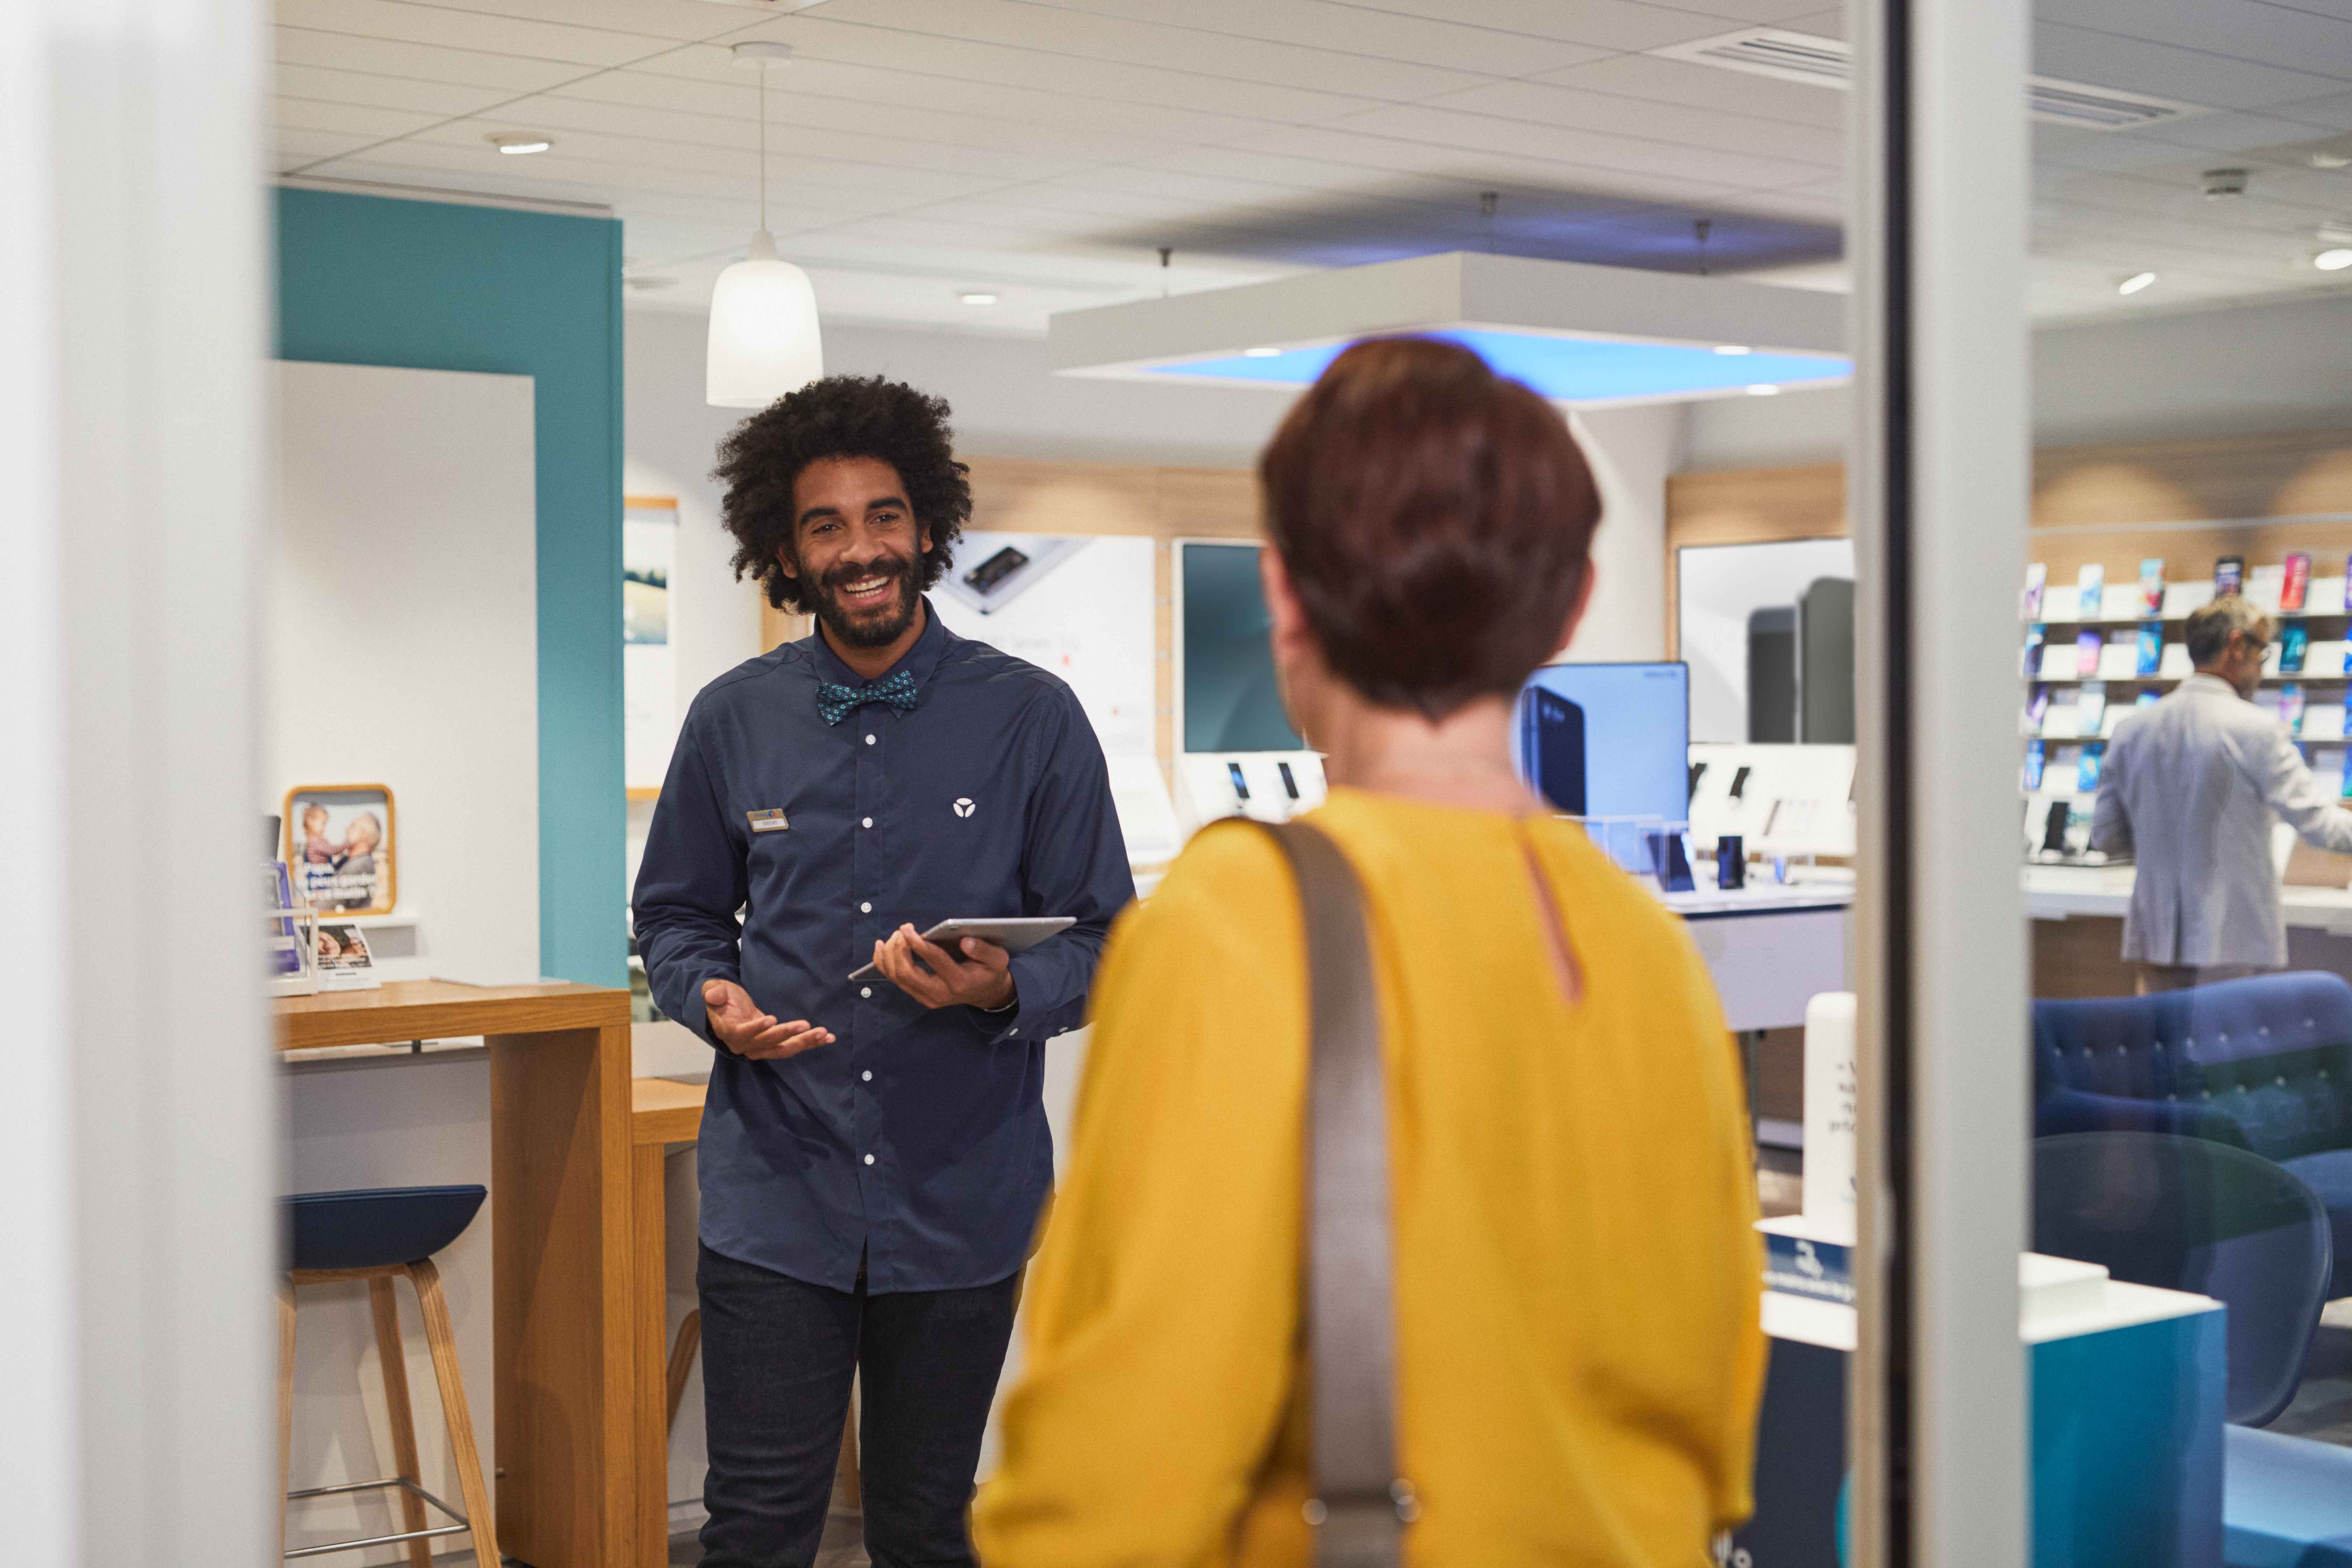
{"type": "Point", "coordinates": [379, 1234]}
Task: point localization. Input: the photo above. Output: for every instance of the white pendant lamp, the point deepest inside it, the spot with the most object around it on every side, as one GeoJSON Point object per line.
{"type": "Point", "coordinates": [763, 330]}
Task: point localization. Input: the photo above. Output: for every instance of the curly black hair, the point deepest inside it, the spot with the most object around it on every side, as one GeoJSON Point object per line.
{"type": "Point", "coordinates": [839, 416]}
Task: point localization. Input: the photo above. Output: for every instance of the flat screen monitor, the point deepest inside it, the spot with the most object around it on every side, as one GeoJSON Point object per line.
{"type": "Point", "coordinates": [1609, 740]}
{"type": "Point", "coordinates": [1230, 701]}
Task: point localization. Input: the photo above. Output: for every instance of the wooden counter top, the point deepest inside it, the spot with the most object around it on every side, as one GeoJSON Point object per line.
{"type": "Point", "coordinates": [402, 1010]}
{"type": "Point", "coordinates": [664, 1110]}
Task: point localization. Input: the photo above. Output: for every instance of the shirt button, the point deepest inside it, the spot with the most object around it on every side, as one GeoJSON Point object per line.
{"type": "Point", "coordinates": [868, 822]}
{"type": "Point", "coordinates": [866, 991]}
{"type": "Point", "coordinates": [866, 909]}
{"type": "Point", "coordinates": [869, 1159]}
{"type": "Point", "coordinates": [869, 739]}
{"type": "Point", "coordinates": [867, 1076]}
{"type": "Point", "coordinates": [1014, 1030]}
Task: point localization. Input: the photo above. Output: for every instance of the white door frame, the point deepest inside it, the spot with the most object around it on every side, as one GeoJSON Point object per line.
{"type": "Point", "coordinates": [1938, 493]}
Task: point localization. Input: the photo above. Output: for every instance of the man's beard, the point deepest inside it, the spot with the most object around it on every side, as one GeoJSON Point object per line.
{"type": "Point", "coordinates": [876, 628]}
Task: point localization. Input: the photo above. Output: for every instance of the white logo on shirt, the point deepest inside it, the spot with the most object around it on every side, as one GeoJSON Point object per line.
{"type": "Point", "coordinates": [964, 807]}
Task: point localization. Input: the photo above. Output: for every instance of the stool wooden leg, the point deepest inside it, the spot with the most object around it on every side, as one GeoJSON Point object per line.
{"type": "Point", "coordinates": [285, 1405]}
{"type": "Point", "coordinates": [681, 1358]}
{"type": "Point", "coordinates": [444, 1341]}
{"type": "Point", "coordinates": [395, 1364]}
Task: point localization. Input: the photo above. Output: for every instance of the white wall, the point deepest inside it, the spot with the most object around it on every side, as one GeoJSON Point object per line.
{"type": "Point", "coordinates": [402, 644]}
{"type": "Point", "coordinates": [1632, 451]}
{"type": "Point", "coordinates": [401, 649]}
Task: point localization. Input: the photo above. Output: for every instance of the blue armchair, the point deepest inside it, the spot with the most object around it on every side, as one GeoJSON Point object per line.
{"type": "Point", "coordinates": [2263, 1064]}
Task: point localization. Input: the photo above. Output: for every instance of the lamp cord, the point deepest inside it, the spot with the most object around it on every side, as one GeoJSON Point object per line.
{"type": "Point", "coordinates": [763, 146]}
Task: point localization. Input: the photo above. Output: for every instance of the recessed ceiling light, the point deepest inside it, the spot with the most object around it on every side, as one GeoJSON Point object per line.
{"type": "Point", "coordinates": [978, 296]}
{"type": "Point", "coordinates": [1763, 389]}
{"type": "Point", "coordinates": [2335, 261]}
{"type": "Point", "coordinates": [1261, 353]}
{"type": "Point", "coordinates": [1732, 349]}
{"type": "Point", "coordinates": [2331, 161]}
{"type": "Point", "coordinates": [2135, 283]}
{"type": "Point", "coordinates": [515, 144]}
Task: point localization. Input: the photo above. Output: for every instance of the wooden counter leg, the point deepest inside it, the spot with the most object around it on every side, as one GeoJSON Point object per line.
{"type": "Point", "coordinates": [564, 1316]}
{"type": "Point", "coordinates": [652, 1288]}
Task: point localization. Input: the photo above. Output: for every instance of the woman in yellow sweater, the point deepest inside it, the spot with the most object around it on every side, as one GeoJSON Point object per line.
{"type": "Point", "coordinates": [1578, 1352]}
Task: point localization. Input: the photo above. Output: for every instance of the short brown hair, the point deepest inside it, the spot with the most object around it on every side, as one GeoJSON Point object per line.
{"type": "Point", "coordinates": [2211, 627]}
{"type": "Point", "coordinates": [1436, 521]}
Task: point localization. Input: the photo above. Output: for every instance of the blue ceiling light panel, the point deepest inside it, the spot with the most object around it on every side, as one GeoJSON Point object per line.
{"type": "Point", "coordinates": [1575, 333]}
{"type": "Point", "coordinates": [1569, 369]}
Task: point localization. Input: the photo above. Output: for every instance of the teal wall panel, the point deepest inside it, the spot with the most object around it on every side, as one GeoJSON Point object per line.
{"type": "Point", "coordinates": [435, 286]}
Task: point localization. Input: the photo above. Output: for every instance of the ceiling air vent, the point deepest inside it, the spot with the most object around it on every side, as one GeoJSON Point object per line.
{"type": "Point", "coordinates": [1829, 62]}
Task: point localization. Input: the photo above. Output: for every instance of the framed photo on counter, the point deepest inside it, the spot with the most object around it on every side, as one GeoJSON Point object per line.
{"type": "Point", "coordinates": [342, 845]}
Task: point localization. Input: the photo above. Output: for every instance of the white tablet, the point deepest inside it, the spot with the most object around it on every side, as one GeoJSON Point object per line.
{"type": "Point", "coordinates": [1015, 933]}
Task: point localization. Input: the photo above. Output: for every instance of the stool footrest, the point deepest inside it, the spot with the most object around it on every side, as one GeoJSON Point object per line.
{"type": "Point", "coordinates": [404, 1484]}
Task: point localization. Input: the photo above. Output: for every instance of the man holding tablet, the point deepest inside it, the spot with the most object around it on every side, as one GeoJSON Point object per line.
{"type": "Point", "coordinates": [874, 1152]}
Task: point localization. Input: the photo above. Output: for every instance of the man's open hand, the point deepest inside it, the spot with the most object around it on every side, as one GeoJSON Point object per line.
{"type": "Point", "coordinates": [981, 977]}
{"type": "Point", "coordinates": [742, 1028]}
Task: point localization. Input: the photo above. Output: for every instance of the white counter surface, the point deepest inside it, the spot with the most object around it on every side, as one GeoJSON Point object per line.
{"type": "Point", "coordinates": [2055, 892]}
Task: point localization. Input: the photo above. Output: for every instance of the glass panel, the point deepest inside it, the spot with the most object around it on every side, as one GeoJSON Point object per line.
{"type": "Point", "coordinates": [2183, 632]}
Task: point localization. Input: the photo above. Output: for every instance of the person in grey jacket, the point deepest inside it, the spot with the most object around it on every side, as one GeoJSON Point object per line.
{"type": "Point", "coordinates": [2190, 789]}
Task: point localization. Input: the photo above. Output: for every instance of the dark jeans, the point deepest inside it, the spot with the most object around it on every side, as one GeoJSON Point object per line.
{"type": "Point", "coordinates": [777, 1356]}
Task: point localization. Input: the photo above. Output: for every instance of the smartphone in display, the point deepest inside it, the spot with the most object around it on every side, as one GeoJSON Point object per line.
{"type": "Point", "coordinates": [2151, 647]}
{"type": "Point", "coordinates": [2151, 586]}
{"type": "Point", "coordinates": [2054, 825]}
{"type": "Point", "coordinates": [2229, 575]}
{"type": "Point", "coordinates": [995, 569]}
{"type": "Point", "coordinates": [1551, 740]}
{"type": "Point", "coordinates": [1739, 784]}
{"type": "Point", "coordinates": [2295, 646]}
{"type": "Point", "coordinates": [1241, 785]}
{"type": "Point", "coordinates": [1289, 785]}
{"type": "Point", "coordinates": [2297, 584]}
{"type": "Point", "coordinates": [1670, 862]}
{"type": "Point", "coordinates": [2036, 755]}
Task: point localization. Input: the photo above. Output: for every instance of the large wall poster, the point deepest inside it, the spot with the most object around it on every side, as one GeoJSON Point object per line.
{"type": "Point", "coordinates": [649, 661]}
{"type": "Point", "coordinates": [1081, 606]}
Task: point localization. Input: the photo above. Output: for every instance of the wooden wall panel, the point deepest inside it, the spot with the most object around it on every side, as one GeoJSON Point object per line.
{"type": "Point", "coordinates": [2186, 501]}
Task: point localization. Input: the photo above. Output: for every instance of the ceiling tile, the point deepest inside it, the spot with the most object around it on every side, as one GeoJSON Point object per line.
{"type": "Point", "coordinates": [1079, 35]}
{"type": "Point", "coordinates": [353, 118]}
{"type": "Point", "coordinates": [1541, 103]}
{"type": "Point", "coordinates": [2290, 36]}
{"type": "Point", "coordinates": [454, 27]}
{"type": "Point", "coordinates": [1571, 144]}
{"type": "Point", "coordinates": [928, 55]}
{"type": "Point", "coordinates": [420, 62]}
{"type": "Point", "coordinates": [2162, 70]}
{"type": "Point", "coordinates": [1466, 44]}
{"type": "Point", "coordinates": [434, 98]}
{"type": "Point", "coordinates": [1604, 24]}
{"type": "Point", "coordinates": [1705, 87]}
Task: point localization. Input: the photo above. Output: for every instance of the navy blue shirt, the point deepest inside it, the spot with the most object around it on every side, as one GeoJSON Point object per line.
{"type": "Point", "coordinates": [915, 1143]}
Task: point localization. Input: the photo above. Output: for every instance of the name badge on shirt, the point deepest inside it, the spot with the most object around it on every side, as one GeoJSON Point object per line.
{"type": "Point", "coordinates": [767, 821]}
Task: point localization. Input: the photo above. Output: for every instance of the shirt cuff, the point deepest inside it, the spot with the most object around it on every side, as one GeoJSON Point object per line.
{"type": "Point", "coordinates": [697, 1016]}
{"type": "Point", "coordinates": [1016, 1022]}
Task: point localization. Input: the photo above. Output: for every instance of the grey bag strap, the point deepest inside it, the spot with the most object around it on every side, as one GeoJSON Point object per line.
{"type": "Point", "coordinates": [1361, 1505]}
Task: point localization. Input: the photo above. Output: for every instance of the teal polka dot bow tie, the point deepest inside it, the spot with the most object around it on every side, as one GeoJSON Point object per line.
{"type": "Point", "coordinates": [833, 703]}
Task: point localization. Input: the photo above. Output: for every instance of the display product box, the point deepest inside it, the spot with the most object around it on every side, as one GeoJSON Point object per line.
{"type": "Point", "coordinates": [2151, 650]}
{"type": "Point", "coordinates": [2037, 577]}
{"type": "Point", "coordinates": [2087, 644]}
{"type": "Point", "coordinates": [1800, 1260]}
{"type": "Point", "coordinates": [2296, 582]}
{"type": "Point", "coordinates": [2151, 587]}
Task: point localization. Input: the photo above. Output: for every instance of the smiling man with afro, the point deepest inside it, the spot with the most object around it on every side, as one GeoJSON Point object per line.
{"type": "Point", "coordinates": [874, 1150]}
